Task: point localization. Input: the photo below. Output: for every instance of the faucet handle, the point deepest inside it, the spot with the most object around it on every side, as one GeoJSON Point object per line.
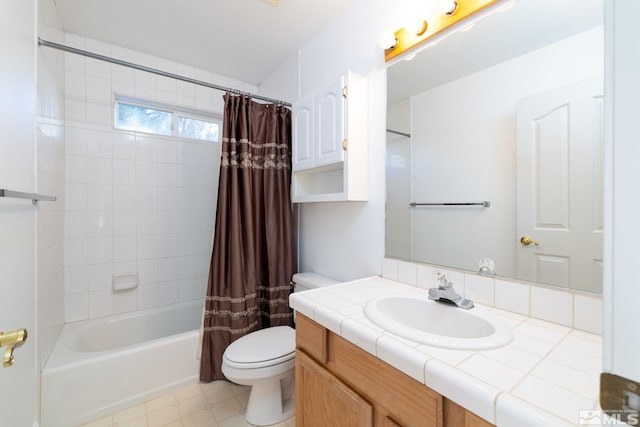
{"type": "Point", "coordinates": [444, 282]}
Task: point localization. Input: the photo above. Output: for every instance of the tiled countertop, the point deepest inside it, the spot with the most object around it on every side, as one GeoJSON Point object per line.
{"type": "Point", "coordinates": [544, 377]}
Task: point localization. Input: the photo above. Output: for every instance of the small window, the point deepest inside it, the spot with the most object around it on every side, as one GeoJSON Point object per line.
{"type": "Point", "coordinates": [143, 119]}
{"type": "Point", "coordinates": [188, 127]}
{"type": "Point", "coordinates": [160, 119]}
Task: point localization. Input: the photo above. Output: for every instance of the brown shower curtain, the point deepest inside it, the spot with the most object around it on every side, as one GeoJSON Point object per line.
{"type": "Point", "coordinates": [253, 253]}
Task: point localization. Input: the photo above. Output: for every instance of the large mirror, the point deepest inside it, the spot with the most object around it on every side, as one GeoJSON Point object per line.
{"type": "Point", "coordinates": [507, 112]}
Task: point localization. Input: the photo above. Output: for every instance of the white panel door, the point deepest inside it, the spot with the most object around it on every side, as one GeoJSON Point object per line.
{"type": "Point", "coordinates": [329, 124]}
{"type": "Point", "coordinates": [302, 150]}
{"type": "Point", "coordinates": [559, 169]}
{"type": "Point", "coordinates": [18, 217]}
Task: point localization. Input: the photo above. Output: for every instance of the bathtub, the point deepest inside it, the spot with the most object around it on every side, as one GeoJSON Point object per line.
{"type": "Point", "coordinates": [104, 365]}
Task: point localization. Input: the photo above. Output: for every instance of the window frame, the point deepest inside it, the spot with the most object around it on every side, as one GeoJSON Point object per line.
{"type": "Point", "coordinates": [175, 111]}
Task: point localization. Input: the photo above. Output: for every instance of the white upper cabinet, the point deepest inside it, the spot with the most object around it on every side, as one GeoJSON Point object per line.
{"type": "Point", "coordinates": [330, 155]}
{"type": "Point", "coordinates": [329, 121]}
{"type": "Point", "coordinates": [303, 134]}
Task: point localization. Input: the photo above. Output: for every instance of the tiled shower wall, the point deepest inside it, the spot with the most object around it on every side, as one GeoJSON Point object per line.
{"type": "Point", "coordinates": [135, 203]}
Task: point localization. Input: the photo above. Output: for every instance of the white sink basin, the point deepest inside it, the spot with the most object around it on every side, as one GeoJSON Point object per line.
{"type": "Point", "coordinates": [438, 324]}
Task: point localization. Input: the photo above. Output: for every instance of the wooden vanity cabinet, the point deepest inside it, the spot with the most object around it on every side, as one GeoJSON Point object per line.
{"type": "Point", "coordinates": [339, 384]}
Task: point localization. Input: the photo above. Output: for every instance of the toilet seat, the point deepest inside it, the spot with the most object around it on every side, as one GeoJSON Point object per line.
{"type": "Point", "coordinates": [266, 347]}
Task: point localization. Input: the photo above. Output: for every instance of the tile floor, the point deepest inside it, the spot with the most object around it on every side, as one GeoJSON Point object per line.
{"type": "Point", "coordinates": [216, 404]}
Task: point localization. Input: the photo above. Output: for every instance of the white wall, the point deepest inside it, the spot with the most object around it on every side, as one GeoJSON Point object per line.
{"type": "Point", "coordinates": [135, 202]}
{"type": "Point", "coordinates": [346, 240]}
{"type": "Point", "coordinates": [50, 170]}
{"type": "Point", "coordinates": [464, 150]}
{"type": "Point", "coordinates": [621, 290]}
{"type": "Point", "coordinates": [18, 217]}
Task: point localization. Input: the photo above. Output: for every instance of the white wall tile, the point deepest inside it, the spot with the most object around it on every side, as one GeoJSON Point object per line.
{"type": "Point", "coordinates": [75, 224]}
{"type": "Point", "coordinates": [100, 303]}
{"type": "Point", "coordinates": [407, 273]}
{"type": "Point", "coordinates": [125, 301]}
{"type": "Point", "coordinates": [512, 296]}
{"type": "Point", "coordinates": [100, 223]}
{"type": "Point", "coordinates": [100, 250]}
{"type": "Point", "coordinates": [167, 292]}
{"type": "Point", "coordinates": [124, 172]}
{"type": "Point", "coordinates": [124, 197]}
{"type": "Point", "coordinates": [117, 220]}
{"type": "Point", "coordinates": [146, 149]}
{"type": "Point", "coordinates": [99, 171]}
{"type": "Point", "coordinates": [124, 223]}
{"type": "Point", "coordinates": [479, 289]}
{"type": "Point", "coordinates": [99, 197]}
{"type": "Point", "coordinates": [76, 307]}
{"type": "Point", "coordinates": [554, 306]}
{"type": "Point", "coordinates": [75, 252]}
{"type": "Point", "coordinates": [148, 271]}
{"type": "Point", "coordinates": [587, 312]}
{"type": "Point", "coordinates": [188, 289]}
{"type": "Point", "coordinates": [100, 276]}
{"type": "Point", "coordinates": [125, 248]}
{"type": "Point", "coordinates": [390, 268]}
{"type": "Point", "coordinates": [124, 146]}
{"type": "Point", "coordinates": [147, 296]}
{"type": "Point", "coordinates": [76, 279]}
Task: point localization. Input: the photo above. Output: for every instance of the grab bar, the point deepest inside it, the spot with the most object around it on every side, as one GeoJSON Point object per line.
{"type": "Point", "coordinates": [485, 204]}
{"type": "Point", "coordinates": [35, 197]}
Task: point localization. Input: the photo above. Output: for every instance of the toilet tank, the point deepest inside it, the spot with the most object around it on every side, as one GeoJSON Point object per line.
{"type": "Point", "coordinates": [306, 281]}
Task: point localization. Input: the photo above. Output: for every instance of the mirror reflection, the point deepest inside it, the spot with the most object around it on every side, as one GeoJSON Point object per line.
{"type": "Point", "coordinates": [507, 112]}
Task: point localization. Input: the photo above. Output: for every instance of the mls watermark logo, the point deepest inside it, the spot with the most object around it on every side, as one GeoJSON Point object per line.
{"type": "Point", "coordinates": [611, 418]}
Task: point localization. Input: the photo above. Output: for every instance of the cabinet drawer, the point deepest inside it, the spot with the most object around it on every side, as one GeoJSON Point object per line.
{"type": "Point", "coordinates": [311, 337]}
{"type": "Point", "coordinates": [403, 399]}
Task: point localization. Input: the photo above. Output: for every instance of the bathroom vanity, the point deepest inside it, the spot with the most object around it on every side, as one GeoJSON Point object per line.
{"type": "Point", "coordinates": [339, 384]}
{"type": "Point", "coordinates": [350, 372]}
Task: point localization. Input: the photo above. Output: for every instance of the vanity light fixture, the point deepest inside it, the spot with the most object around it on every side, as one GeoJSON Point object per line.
{"type": "Point", "coordinates": [446, 17]}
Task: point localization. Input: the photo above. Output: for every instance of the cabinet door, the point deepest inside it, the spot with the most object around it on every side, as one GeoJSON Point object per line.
{"type": "Point", "coordinates": [329, 124]}
{"type": "Point", "coordinates": [303, 134]}
{"type": "Point", "coordinates": [323, 400]}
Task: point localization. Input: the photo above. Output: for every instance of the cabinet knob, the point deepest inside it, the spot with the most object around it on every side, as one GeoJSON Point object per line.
{"type": "Point", "coordinates": [344, 144]}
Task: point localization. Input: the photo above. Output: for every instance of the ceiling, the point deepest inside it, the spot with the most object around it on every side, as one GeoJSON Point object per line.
{"type": "Point", "coordinates": [243, 39]}
{"type": "Point", "coordinates": [528, 25]}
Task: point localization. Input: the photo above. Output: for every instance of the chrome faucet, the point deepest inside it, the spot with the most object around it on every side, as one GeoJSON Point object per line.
{"type": "Point", "coordinates": [445, 293]}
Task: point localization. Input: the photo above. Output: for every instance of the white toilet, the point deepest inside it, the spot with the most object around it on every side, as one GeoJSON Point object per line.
{"type": "Point", "coordinates": [264, 360]}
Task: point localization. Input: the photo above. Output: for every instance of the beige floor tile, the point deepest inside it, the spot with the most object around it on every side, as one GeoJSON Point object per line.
{"type": "Point", "coordinates": [136, 422]}
{"type": "Point", "coordinates": [129, 414]}
{"type": "Point", "coordinates": [239, 389]}
{"type": "Point", "coordinates": [217, 391]}
{"type": "Point", "coordinates": [187, 391]}
{"type": "Point", "coordinates": [177, 423]}
{"type": "Point", "coordinates": [225, 410]}
{"type": "Point", "coordinates": [235, 421]}
{"type": "Point", "coordinates": [164, 416]}
{"type": "Point", "coordinates": [202, 418]}
{"type": "Point", "coordinates": [160, 402]}
{"type": "Point", "coordinates": [243, 399]}
{"type": "Point", "coordinates": [193, 404]}
{"type": "Point", "coordinates": [102, 422]}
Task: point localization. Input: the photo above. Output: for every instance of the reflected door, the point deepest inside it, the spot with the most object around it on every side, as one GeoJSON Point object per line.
{"type": "Point", "coordinates": [559, 172]}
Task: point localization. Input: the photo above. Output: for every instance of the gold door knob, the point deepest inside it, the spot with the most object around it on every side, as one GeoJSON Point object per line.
{"type": "Point", "coordinates": [526, 241]}
{"type": "Point", "coordinates": [11, 340]}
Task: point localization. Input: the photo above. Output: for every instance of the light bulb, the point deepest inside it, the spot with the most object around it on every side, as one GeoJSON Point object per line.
{"type": "Point", "coordinates": [445, 7]}
{"type": "Point", "coordinates": [387, 39]}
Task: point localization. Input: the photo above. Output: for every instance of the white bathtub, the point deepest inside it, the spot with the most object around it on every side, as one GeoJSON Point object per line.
{"type": "Point", "coordinates": [103, 365]}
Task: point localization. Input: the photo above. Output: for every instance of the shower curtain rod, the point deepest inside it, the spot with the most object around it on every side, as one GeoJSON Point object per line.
{"type": "Point", "coordinates": [42, 42]}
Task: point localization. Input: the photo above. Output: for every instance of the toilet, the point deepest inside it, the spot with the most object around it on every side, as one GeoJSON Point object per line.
{"type": "Point", "coordinates": [264, 360]}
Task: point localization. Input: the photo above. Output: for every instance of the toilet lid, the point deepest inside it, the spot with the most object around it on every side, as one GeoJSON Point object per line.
{"type": "Point", "coordinates": [268, 346]}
